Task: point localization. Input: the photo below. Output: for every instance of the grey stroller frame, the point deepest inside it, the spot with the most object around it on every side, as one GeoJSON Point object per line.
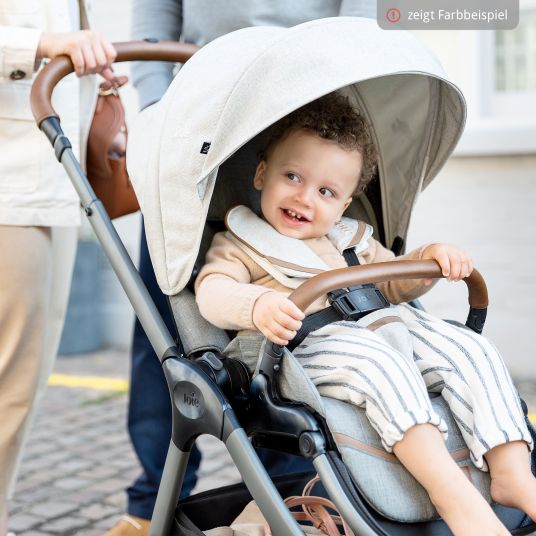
{"type": "Point", "coordinates": [199, 404]}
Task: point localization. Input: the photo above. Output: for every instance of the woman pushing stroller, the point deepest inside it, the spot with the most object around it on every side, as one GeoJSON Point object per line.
{"type": "Point", "coordinates": [315, 160]}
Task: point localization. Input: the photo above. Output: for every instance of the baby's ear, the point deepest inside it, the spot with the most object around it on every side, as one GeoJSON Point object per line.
{"type": "Point", "coordinates": [346, 204]}
{"type": "Point", "coordinates": [258, 180]}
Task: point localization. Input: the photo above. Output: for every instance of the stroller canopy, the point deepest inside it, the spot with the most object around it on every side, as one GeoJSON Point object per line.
{"type": "Point", "coordinates": [240, 84]}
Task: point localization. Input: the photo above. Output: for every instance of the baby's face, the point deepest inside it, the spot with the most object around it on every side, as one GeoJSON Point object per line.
{"type": "Point", "coordinates": [306, 183]}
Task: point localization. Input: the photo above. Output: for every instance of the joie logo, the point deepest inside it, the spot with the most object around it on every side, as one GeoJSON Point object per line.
{"type": "Point", "coordinates": [191, 400]}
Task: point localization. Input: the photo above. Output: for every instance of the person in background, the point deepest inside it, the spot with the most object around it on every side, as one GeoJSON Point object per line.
{"type": "Point", "coordinates": [39, 209]}
{"type": "Point", "coordinates": [149, 418]}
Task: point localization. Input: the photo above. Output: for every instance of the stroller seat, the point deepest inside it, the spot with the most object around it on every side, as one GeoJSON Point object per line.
{"type": "Point", "coordinates": [380, 487]}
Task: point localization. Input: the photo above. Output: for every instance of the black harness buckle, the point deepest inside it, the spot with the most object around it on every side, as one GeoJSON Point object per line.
{"type": "Point", "coordinates": [357, 301]}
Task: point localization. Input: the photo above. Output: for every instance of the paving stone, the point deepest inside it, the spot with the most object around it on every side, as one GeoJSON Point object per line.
{"type": "Point", "coordinates": [22, 522]}
{"type": "Point", "coordinates": [85, 496]}
{"type": "Point", "coordinates": [73, 466]}
{"type": "Point", "coordinates": [118, 499]}
{"type": "Point", "coordinates": [64, 524]}
{"type": "Point", "coordinates": [97, 511]}
{"type": "Point", "coordinates": [99, 472]}
{"type": "Point", "coordinates": [108, 486]}
{"type": "Point", "coordinates": [38, 493]}
{"type": "Point", "coordinates": [71, 484]}
{"type": "Point", "coordinates": [107, 523]}
{"type": "Point", "coordinates": [53, 509]}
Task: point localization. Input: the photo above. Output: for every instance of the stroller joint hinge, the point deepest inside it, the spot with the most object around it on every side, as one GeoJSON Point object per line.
{"type": "Point", "coordinates": [312, 444]}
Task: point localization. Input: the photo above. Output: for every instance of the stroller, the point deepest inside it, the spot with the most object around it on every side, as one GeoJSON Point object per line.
{"type": "Point", "coordinates": [191, 158]}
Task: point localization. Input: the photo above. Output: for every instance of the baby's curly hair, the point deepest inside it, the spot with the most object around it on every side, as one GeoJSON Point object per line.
{"type": "Point", "coordinates": [331, 117]}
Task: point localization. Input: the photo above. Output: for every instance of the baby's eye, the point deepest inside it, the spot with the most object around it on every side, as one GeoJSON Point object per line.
{"type": "Point", "coordinates": [293, 177]}
{"type": "Point", "coordinates": [326, 192]}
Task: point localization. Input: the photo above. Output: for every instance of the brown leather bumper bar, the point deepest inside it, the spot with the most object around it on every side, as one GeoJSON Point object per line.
{"type": "Point", "coordinates": [380, 272]}
{"type": "Point", "coordinates": [61, 66]}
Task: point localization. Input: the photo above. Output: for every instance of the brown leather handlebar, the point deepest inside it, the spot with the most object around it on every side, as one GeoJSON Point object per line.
{"type": "Point", "coordinates": [380, 272]}
{"type": "Point", "coordinates": [61, 66]}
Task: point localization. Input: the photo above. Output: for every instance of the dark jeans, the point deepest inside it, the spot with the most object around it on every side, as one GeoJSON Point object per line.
{"type": "Point", "coordinates": [149, 414]}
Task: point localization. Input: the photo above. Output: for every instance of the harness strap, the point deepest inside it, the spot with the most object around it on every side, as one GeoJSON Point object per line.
{"type": "Point", "coordinates": [350, 303]}
{"type": "Point", "coordinates": [312, 323]}
{"type": "Point", "coordinates": [350, 256]}
{"type": "Point", "coordinates": [325, 316]}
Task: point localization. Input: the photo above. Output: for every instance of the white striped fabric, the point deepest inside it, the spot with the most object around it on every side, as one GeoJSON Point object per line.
{"type": "Point", "coordinates": [387, 361]}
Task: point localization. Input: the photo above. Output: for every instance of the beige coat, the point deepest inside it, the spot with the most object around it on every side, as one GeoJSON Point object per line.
{"type": "Point", "coordinates": [34, 189]}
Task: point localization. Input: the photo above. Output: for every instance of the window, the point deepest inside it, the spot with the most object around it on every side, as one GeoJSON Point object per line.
{"type": "Point", "coordinates": [515, 55]}
{"type": "Point", "coordinates": [509, 69]}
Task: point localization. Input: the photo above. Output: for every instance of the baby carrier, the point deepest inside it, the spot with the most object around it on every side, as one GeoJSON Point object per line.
{"type": "Point", "coordinates": [191, 157]}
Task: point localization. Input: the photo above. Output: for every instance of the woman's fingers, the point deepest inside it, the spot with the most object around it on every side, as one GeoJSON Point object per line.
{"type": "Point", "coordinates": [90, 63]}
{"type": "Point", "coordinates": [109, 51]}
{"type": "Point", "coordinates": [99, 54]}
{"type": "Point", "coordinates": [77, 58]}
{"type": "Point", "coordinates": [91, 53]}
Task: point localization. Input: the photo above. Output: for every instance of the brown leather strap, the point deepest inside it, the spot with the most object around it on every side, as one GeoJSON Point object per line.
{"type": "Point", "coordinates": [61, 66]}
{"type": "Point", "coordinates": [315, 511]}
{"type": "Point", "coordinates": [380, 272]}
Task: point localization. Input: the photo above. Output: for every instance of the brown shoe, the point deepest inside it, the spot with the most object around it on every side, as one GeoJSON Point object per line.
{"type": "Point", "coordinates": [130, 526]}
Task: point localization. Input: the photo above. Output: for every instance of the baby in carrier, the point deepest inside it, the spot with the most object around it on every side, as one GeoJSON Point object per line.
{"type": "Point", "coordinates": [315, 160]}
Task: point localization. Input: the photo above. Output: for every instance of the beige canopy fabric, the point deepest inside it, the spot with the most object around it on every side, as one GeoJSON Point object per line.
{"type": "Point", "coordinates": [240, 84]}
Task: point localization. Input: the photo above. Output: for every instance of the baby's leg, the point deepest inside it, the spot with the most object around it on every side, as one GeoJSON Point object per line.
{"type": "Point", "coordinates": [355, 364]}
{"type": "Point", "coordinates": [512, 481]}
{"type": "Point", "coordinates": [470, 375]}
{"type": "Point", "coordinates": [469, 372]}
{"type": "Point", "coordinates": [424, 454]}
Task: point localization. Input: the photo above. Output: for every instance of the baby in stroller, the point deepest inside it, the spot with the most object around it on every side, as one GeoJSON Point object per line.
{"type": "Point", "coordinates": [315, 160]}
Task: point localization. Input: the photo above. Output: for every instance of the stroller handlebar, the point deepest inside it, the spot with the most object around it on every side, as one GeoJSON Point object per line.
{"type": "Point", "coordinates": [380, 272]}
{"type": "Point", "coordinates": [61, 66]}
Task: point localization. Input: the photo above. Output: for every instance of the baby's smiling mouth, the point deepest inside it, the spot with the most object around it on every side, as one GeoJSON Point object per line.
{"type": "Point", "coordinates": [295, 216]}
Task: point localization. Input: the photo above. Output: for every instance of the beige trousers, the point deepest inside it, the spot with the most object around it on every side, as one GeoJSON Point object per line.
{"type": "Point", "coordinates": [35, 276]}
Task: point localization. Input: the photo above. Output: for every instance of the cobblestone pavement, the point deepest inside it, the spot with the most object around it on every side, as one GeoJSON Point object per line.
{"type": "Point", "coordinates": [79, 459]}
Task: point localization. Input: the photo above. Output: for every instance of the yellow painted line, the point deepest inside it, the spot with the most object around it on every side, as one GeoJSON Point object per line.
{"type": "Point", "coordinates": [89, 382]}
{"type": "Point", "coordinates": [116, 384]}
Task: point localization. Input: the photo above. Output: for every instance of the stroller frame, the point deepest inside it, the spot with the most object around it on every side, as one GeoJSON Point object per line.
{"type": "Point", "coordinates": [198, 404]}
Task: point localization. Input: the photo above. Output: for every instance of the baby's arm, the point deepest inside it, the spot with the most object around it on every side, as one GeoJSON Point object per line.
{"type": "Point", "coordinates": [231, 305]}
{"type": "Point", "coordinates": [454, 262]}
{"type": "Point", "coordinates": [227, 303]}
{"type": "Point", "coordinates": [227, 298]}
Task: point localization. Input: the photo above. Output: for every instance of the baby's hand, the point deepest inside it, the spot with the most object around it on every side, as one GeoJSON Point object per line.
{"type": "Point", "coordinates": [455, 263]}
{"type": "Point", "coordinates": [276, 317]}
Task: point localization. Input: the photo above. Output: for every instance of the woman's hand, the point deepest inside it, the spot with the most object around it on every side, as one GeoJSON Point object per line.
{"type": "Point", "coordinates": [455, 263]}
{"type": "Point", "coordinates": [88, 50]}
{"type": "Point", "coordinates": [276, 317]}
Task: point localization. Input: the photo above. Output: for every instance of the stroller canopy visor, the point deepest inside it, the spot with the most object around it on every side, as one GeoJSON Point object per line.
{"type": "Point", "coordinates": [240, 84]}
